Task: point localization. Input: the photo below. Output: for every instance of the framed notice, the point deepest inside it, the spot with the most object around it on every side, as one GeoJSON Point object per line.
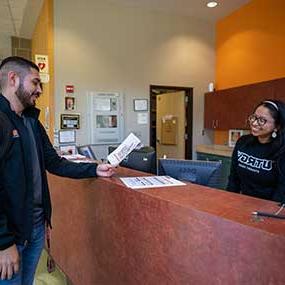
{"type": "Point", "coordinates": [69, 121]}
{"type": "Point", "coordinates": [169, 131]}
{"type": "Point", "coordinates": [66, 136]}
{"type": "Point", "coordinates": [69, 103]}
{"type": "Point", "coordinates": [234, 135]}
{"type": "Point", "coordinates": [140, 105]}
{"type": "Point", "coordinates": [67, 149]}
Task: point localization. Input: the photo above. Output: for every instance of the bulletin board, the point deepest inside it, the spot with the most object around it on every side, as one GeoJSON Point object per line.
{"type": "Point", "coordinates": [106, 117]}
{"type": "Point", "coordinates": [169, 131]}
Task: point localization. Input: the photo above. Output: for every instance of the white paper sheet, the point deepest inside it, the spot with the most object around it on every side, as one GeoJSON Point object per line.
{"type": "Point", "coordinates": [120, 153]}
{"type": "Point", "coordinates": [142, 118]}
{"type": "Point", "coordinates": [150, 182]}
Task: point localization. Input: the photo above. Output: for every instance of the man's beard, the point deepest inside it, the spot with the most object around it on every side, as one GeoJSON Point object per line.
{"type": "Point", "coordinates": [24, 96]}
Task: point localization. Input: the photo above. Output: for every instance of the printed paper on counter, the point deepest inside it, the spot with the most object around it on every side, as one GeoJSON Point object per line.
{"type": "Point", "coordinates": [125, 148]}
{"type": "Point", "coordinates": [150, 182]}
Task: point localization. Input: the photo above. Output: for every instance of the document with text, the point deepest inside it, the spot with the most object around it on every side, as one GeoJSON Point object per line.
{"type": "Point", "coordinates": [150, 182]}
{"type": "Point", "coordinates": [124, 149]}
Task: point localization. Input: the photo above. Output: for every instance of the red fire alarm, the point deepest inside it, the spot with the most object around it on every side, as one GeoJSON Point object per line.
{"type": "Point", "coordinates": [69, 88]}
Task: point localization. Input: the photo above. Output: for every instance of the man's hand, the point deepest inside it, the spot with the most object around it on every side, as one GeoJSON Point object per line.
{"type": "Point", "coordinates": [105, 170]}
{"type": "Point", "coordinates": [9, 262]}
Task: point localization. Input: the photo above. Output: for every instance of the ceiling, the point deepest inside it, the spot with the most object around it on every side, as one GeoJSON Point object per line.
{"type": "Point", "coordinates": [18, 17]}
{"type": "Point", "coordinates": [192, 8]}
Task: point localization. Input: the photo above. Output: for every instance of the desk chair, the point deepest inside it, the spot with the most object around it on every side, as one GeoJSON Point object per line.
{"type": "Point", "coordinates": [143, 159]}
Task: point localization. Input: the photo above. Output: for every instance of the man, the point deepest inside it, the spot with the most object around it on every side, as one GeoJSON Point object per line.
{"type": "Point", "coordinates": [25, 204]}
{"type": "Point", "coordinates": [5, 135]}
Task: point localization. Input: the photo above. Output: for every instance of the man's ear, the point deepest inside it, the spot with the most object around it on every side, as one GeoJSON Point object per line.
{"type": "Point", "coordinates": [13, 79]}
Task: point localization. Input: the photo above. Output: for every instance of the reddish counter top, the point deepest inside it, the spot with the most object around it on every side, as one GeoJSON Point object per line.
{"type": "Point", "coordinates": [105, 233]}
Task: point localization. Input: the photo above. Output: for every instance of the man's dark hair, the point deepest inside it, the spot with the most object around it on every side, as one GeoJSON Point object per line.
{"type": "Point", "coordinates": [18, 64]}
{"type": "Point", "coordinates": [20, 61]}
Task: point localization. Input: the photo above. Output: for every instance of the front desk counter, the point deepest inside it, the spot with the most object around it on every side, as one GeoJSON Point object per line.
{"type": "Point", "coordinates": [106, 234]}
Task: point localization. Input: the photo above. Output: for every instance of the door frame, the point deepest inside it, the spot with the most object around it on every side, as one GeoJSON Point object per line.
{"type": "Point", "coordinates": [155, 90]}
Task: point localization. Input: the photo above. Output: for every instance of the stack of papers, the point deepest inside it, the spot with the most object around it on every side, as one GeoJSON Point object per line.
{"type": "Point", "coordinates": [150, 182]}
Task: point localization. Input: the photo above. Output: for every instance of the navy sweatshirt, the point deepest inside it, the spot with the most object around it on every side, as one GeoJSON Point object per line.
{"type": "Point", "coordinates": [256, 173]}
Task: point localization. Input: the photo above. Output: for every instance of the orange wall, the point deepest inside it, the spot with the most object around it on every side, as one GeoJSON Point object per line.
{"type": "Point", "coordinates": [250, 47]}
{"type": "Point", "coordinates": [251, 44]}
{"type": "Point", "coordinates": [42, 43]}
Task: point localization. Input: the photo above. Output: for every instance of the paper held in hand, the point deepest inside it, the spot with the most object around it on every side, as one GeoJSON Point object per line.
{"type": "Point", "coordinates": [125, 148]}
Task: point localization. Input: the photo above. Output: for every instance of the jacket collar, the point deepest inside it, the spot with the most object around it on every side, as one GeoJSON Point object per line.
{"type": "Point", "coordinates": [6, 107]}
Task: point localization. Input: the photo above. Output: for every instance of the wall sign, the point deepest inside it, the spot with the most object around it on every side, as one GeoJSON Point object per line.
{"type": "Point", "coordinates": [169, 130]}
{"type": "Point", "coordinates": [69, 89]}
{"type": "Point", "coordinates": [42, 62]}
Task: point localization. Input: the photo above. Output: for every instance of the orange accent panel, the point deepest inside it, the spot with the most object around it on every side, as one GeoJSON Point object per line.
{"type": "Point", "coordinates": [250, 44]}
{"type": "Point", "coordinates": [42, 43]}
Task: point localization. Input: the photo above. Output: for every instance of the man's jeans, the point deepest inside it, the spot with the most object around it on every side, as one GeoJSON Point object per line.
{"type": "Point", "coordinates": [29, 257]}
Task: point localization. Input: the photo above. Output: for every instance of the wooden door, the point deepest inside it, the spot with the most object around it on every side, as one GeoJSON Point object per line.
{"type": "Point", "coordinates": [170, 125]}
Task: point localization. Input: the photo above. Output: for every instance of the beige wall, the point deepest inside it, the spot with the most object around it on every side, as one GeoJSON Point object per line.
{"type": "Point", "coordinates": [103, 47]}
{"type": "Point", "coordinates": [5, 46]}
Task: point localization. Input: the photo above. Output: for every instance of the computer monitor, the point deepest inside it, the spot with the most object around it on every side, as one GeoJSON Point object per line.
{"type": "Point", "coordinates": [201, 172]}
{"type": "Point", "coordinates": [143, 159]}
{"type": "Point", "coordinates": [87, 151]}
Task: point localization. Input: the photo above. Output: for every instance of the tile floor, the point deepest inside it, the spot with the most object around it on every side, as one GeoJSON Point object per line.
{"type": "Point", "coordinates": [44, 278]}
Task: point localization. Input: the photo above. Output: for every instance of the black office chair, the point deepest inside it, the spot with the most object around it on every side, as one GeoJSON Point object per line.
{"type": "Point", "coordinates": [143, 159]}
{"type": "Point", "coordinates": [87, 151]}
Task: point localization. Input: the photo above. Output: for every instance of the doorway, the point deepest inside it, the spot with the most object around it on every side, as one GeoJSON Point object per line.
{"type": "Point", "coordinates": [171, 117]}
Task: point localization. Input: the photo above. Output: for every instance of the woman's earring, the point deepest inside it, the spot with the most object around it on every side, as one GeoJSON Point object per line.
{"type": "Point", "coordinates": [274, 134]}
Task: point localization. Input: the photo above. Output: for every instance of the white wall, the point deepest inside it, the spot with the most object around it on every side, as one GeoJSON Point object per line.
{"type": "Point", "coordinates": [104, 47]}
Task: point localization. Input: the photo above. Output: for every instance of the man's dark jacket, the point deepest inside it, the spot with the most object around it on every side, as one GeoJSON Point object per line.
{"type": "Point", "coordinates": [16, 182]}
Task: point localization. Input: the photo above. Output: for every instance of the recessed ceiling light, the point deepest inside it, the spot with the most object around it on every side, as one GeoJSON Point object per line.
{"type": "Point", "coordinates": [212, 4]}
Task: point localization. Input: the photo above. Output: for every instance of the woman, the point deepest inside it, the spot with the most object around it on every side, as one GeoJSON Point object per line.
{"type": "Point", "coordinates": [258, 161]}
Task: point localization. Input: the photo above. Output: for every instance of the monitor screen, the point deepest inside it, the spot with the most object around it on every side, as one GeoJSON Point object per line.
{"type": "Point", "coordinates": [87, 151]}
{"type": "Point", "coordinates": [196, 171]}
{"type": "Point", "coordinates": [143, 159]}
